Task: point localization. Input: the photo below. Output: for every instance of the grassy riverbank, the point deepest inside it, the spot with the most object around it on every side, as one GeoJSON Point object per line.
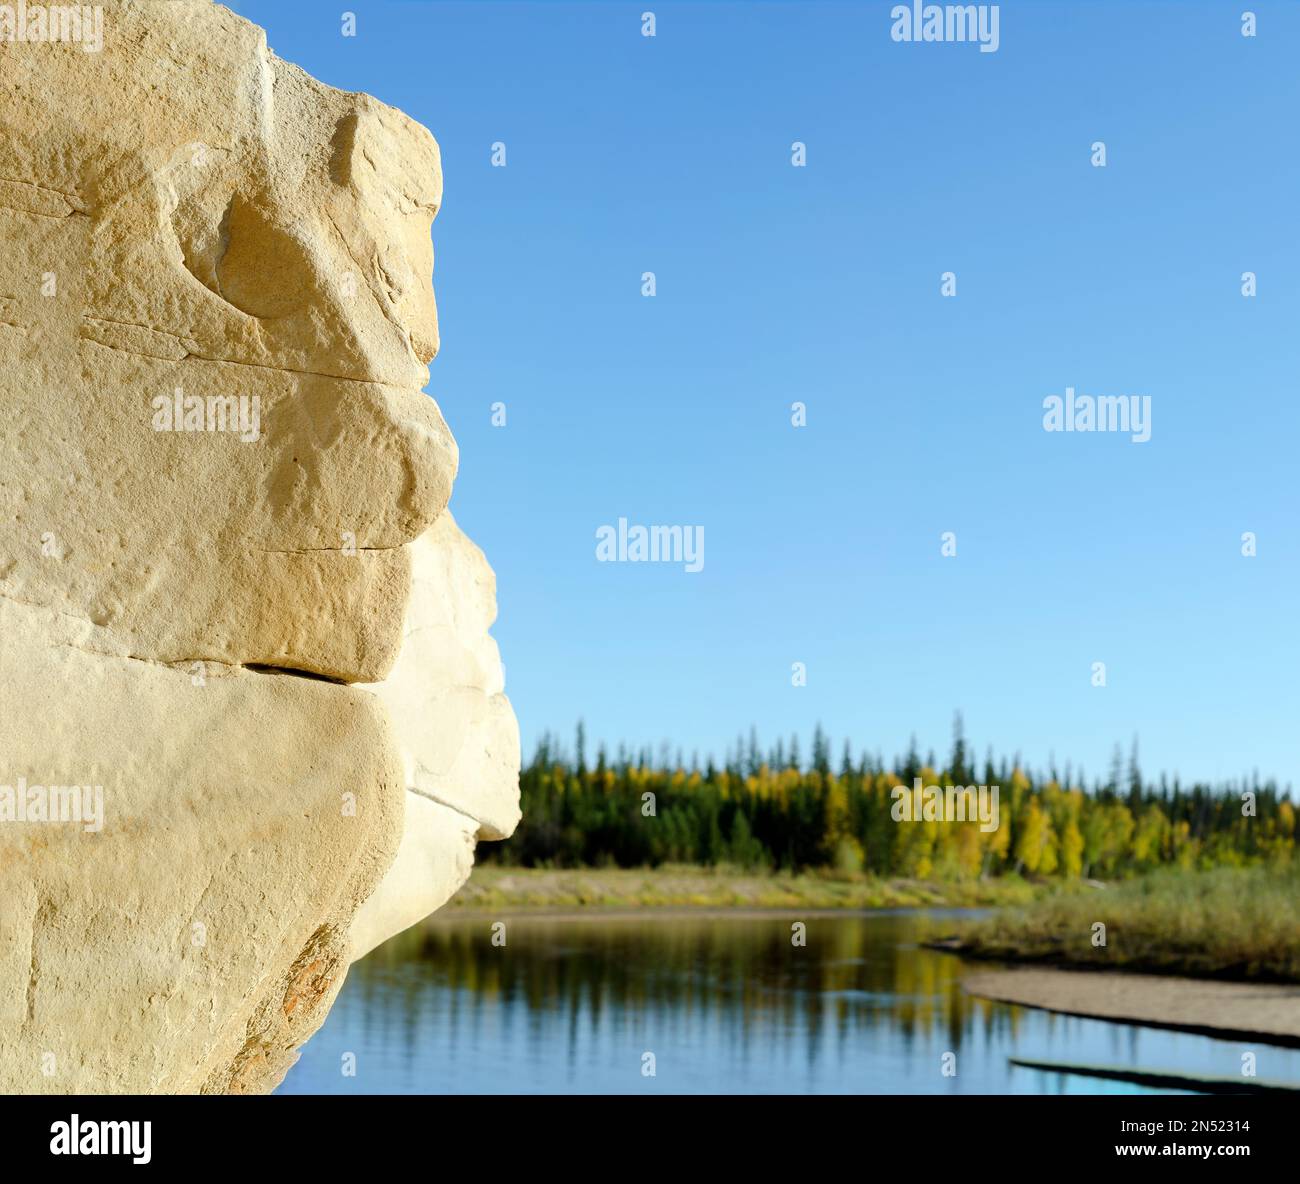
{"type": "Point", "coordinates": [1227, 923]}
{"type": "Point", "coordinates": [684, 886]}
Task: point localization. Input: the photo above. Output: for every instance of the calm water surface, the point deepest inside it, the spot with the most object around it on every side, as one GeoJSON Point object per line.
{"type": "Point", "coordinates": [725, 1004]}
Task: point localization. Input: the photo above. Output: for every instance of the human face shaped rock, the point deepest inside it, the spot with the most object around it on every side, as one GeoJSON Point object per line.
{"type": "Point", "coordinates": [218, 464]}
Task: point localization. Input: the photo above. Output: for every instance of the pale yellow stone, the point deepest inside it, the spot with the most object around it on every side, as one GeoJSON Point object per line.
{"type": "Point", "coordinates": [183, 211]}
{"type": "Point", "coordinates": [458, 736]}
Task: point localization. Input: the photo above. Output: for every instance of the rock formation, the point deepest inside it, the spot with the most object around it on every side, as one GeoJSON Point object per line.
{"type": "Point", "coordinates": [251, 720]}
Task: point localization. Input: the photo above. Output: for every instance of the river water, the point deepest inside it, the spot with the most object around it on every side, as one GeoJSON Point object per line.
{"type": "Point", "coordinates": [721, 1002]}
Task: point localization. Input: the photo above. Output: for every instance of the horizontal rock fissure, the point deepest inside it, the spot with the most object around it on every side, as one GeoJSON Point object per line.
{"type": "Point", "coordinates": [292, 671]}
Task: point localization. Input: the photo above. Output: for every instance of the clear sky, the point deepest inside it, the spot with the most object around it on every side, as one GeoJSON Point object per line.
{"type": "Point", "coordinates": [821, 284]}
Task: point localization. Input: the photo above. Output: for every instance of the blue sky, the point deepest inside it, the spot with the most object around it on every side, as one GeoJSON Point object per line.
{"type": "Point", "coordinates": [821, 284]}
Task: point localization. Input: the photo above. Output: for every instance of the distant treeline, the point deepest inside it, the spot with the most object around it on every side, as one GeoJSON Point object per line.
{"type": "Point", "coordinates": [774, 810]}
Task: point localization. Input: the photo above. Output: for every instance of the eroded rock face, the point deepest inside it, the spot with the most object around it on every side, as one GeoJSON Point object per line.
{"type": "Point", "coordinates": [458, 736]}
{"type": "Point", "coordinates": [222, 496]}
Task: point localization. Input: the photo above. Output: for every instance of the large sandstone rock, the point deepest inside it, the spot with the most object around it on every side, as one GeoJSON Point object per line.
{"type": "Point", "coordinates": [198, 237]}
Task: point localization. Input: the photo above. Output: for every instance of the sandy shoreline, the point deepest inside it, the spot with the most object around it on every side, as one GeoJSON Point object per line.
{"type": "Point", "coordinates": [1264, 1012]}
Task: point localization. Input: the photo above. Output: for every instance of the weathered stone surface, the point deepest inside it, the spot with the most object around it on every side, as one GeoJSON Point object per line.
{"type": "Point", "coordinates": [458, 736]}
{"type": "Point", "coordinates": [142, 955]}
{"type": "Point", "coordinates": [184, 212]}
{"type": "Point", "coordinates": [213, 220]}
